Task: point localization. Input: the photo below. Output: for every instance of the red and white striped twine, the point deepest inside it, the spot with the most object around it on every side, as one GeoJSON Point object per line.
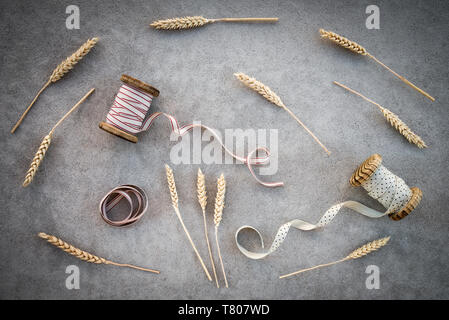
{"type": "Point", "coordinates": [136, 198]}
{"type": "Point", "coordinates": [129, 113]}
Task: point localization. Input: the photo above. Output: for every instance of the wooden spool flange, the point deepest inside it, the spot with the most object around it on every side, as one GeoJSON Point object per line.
{"type": "Point", "coordinates": [140, 85]}
{"type": "Point", "coordinates": [366, 170]}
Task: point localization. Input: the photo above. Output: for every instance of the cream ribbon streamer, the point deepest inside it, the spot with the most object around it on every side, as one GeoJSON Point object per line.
{"type": "Point", "coordinates": [384, 186]}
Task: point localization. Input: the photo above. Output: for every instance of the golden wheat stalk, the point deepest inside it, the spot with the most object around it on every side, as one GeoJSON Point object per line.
{"type": "Point", "coordinates": [202, 199]}
{"type": "Point", "coordinates": [84, 255]}
{"type": "Point", "coordinates": [358, 253]}
{"type": "Point", "coordinates": [355, 47]}
{"type": "Point", "coordinates": [174, 198]}
{"type": "Point", "coordinates": [45, 144]}
{"type": "Point", "coordinates": [271, 96]}
{"type": "Point", "coordinates": [218, 216]}
{"type": "Point", "coordinates": [59, 72]}
{"type": "Point", "coordinates": [199, 21]}
{"type": "Point", "coordinates": [393, 119]}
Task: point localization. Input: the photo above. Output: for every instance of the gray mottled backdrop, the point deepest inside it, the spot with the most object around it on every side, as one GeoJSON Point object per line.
{"type": "Point", "coordinates": [193, 70]}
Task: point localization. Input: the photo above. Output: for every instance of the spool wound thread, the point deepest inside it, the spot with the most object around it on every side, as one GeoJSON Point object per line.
{"type": "Point", "coordinates": [380, 183]}
{"type": "Point", "coordinates": [129, 116]}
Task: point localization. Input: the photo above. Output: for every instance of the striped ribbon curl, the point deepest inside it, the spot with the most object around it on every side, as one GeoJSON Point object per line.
{"type": "Point", "coordinates": [390, 190]}
{"type": "Point", "coordinates": [136, 198]}
{"type": "Point", "coordinates": [129, 113]}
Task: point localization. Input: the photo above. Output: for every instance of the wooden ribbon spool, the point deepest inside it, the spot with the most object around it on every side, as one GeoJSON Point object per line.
{"type": "Point", "coordinates": [367, 169]}
{"type": "Point", "coordinates": [139, 85]}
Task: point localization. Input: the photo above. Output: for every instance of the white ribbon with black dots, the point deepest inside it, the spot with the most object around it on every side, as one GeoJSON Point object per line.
{"type": "Point", "coordinates": [384, 186]}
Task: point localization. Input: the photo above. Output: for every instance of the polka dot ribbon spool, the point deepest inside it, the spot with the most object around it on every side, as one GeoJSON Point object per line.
{"type": "Point", "coordinates": [128, 116]}
{"type": "Point", "coordinates": [137, 201]}
{"type": "Point", "coordinates": [380, 183]}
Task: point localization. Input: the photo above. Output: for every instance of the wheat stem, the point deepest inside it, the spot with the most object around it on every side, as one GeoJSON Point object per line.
{"type": "Point", "coordinates": [221, 259]}
{"type": "Point", "coordinates": [271, 96]}
{"type": "Point", "coordinates": [132, 266]}
{"type": "Point", "coordinates": [174, 197]}
{"type": "Point", "coordinates": [307, 129]}
{"type": "Point", "coordinates": [72, 109]}
{"type": "Point", "coordinates": [428, 96]}
{"type": "Point", "coordinates": [193, 244]}
{"type": "Point", "coordinates": [29, 107]}
{"type": "Point", "coordinates": [358, 93]}
{"type": "Point", "coordinates": [247, 19]}
{"type": "Point", "coordinates": [210, 251]}
{"type": "Point", "coordinates": [358, 253]}
{"type": "Point", "coordinates": [393, 119]}
{"type": "Point", "coordinates": [202, 199]}
{"type": "Point", "coordinates": [312, 268]}
{"type": "Point", "coordinates": [84, 255]}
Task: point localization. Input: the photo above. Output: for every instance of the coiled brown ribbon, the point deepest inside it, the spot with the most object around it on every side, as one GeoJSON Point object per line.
{"type": "Point", "coordinates": [137, 200]}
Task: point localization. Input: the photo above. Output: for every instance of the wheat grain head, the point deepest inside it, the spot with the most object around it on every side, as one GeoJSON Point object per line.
{"type": "Point", "coordinates": [201, 190]}
{"type": "Point", "coordinates": [344, 42]}
{"type": "Point", "coordinates": [368, 248]}
{"type": "Point", "coordinates": [403, 129]}
{"type": "Point", "coordinates": [172, 186]}
{"type": "Point", "coordinates": [78, 253]}
{"type": "Point", "coordinates": [181, 23]}
{"type": "Point", "coordinates": [70, 62]}
{"type": "Point", "coordinates": [38, 158]}
{"type": "Point", "coordinates": [260, 88]}
{"type": "Point", "coordinates": [219, 200]}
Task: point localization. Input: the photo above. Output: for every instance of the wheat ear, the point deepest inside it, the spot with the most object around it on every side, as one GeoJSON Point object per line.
{"type": "Point", "coordinates": [393, 119]}
{"type": "Point", "coordinates": [174, 198]}
{"type": "Point", "coordinates": [199, 21]}
{"type": "Point", "coordinates": [355, 47]}
{"type": "Point", "coordinates": [59, 72]}
{"type": "Point", "coordinates": [218, 215]}
{"type": "Point", "coordinates": [202, 199]}
{"type": "Point", "coordinates": [45, 144]}
{"type": "Point", "coordinates": [84, 255]}
{"type": "Point", "coordinates": [358, 253]}
{"type": "Point", "coordinates": [269, 94]}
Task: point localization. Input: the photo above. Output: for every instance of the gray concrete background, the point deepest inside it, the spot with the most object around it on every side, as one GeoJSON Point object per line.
{"type": "Point", "coordinates": [193, 70]}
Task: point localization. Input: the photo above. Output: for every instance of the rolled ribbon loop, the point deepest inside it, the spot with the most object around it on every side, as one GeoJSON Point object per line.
{"type": "Point", "coordinates": [390, 190]}
{"type": "Point", "coordinates": [136, 198]}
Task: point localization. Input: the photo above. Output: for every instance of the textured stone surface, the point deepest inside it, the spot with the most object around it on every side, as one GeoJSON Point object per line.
{"type": "Point", "coordinates": [193, 70]}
